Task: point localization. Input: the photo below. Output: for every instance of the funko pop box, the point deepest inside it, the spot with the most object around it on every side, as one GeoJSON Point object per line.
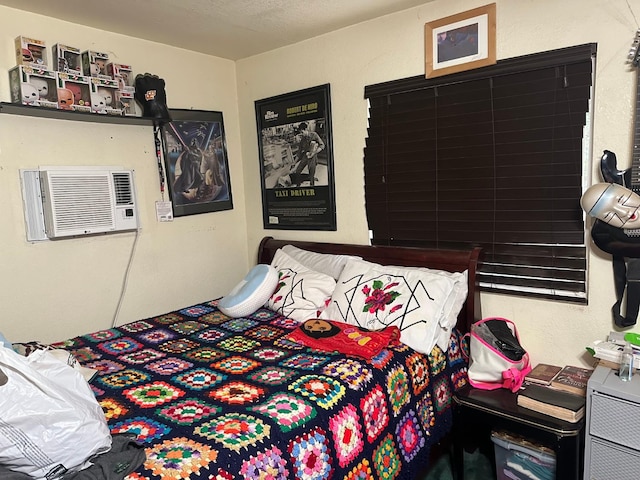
{"type": "Point", "coordinates": [31, 52]}
{"type": "Point", "coordinates": [33, 86]}
{"type": "Point", "coordinates": [103, 96]}
{"type": "Point", "coordinates": [79, 87]}
{"type": "Point", "coordinates": [126, 102]}
{"type": "Point", "coordinates": [67, 59]}
{"type": "Point", "coordinates": [123, 74]}
{"type": "Point", "coordinates": [94, 64]}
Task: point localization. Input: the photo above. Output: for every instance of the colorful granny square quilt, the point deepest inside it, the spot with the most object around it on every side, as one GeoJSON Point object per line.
{"type": "Point", "coordinates": [211, 397]}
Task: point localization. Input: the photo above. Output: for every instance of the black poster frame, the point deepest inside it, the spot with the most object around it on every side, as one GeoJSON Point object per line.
{"type": "Point", "coordinates": [205, 185]}
{"type": "Point", "coordinates": [296, 160]}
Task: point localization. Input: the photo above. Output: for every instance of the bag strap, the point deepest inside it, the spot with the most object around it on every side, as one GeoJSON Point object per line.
{"type": "Point", "coordinates": [626, 274]}
{"type": "Point", "coordinates": [465, 353]}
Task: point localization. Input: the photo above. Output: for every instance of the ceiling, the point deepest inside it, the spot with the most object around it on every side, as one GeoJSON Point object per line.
{"type": "Point", "coordinates": [231, 29]}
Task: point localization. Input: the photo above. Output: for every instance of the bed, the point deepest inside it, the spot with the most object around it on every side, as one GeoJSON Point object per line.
{"type": "Point", "coordinates": [214, 397]}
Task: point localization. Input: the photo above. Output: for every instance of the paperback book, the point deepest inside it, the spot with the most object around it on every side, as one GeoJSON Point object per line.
{"type": "Point", "coordinates": [555, 403]}
{"type": "Point", "coordinates": [543, 373]}
{"type": "Point", "coordinates": [572, 379]}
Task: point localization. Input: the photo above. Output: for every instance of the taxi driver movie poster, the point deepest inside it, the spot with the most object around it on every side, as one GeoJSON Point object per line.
{"type": "Point", "coordinates": [296, 160]}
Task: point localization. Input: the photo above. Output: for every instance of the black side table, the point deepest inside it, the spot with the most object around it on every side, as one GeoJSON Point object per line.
{"type": "Point", "coordinates": [477, 412]}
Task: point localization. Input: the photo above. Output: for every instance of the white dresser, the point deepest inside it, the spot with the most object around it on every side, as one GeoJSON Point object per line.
{"type": "Point", "coordinates": [612, 437]}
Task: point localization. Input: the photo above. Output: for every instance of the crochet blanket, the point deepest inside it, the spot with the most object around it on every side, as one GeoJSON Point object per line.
{"type": "Point", "coordinates": [211, 397]}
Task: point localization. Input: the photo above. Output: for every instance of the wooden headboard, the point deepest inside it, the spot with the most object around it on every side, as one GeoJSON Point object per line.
{"type": "Point", "coordinates": [449, 260]}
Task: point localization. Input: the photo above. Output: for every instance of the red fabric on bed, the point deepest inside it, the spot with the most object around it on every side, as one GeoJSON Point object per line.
{"type": "Point", "coordinates": [334, 336]}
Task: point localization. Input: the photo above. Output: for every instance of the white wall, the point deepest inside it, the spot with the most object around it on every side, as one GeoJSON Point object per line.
{"type": "Point", "coordinates": [54, 290]}
{"type": "Point", "coordinates": [392, 47]}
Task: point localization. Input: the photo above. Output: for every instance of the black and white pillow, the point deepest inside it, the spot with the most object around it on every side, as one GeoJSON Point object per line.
{"type": "Point", "coordinates": [422, 303]}
{"type": "Point", "coordinates": [301, 293]}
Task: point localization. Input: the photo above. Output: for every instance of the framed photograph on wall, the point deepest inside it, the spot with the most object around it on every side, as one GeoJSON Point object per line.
{"type": "Point", "coordinates": [296, 160]}
{"type": "Point", "coordinates": [196, 163]}
{"type": "Point", "coordinates": [461, 42]}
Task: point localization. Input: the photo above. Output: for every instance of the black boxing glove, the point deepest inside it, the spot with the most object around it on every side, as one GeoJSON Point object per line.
{"type": "Point", "coordinates": [152, 97]}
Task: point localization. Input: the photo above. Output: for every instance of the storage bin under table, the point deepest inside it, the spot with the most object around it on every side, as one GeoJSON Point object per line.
{"type": "Point", "coordinates": [478, 412]}
{"type": "Point", "coordinates": [518, 458]}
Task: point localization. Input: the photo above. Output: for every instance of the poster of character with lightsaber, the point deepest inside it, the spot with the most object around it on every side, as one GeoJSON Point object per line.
{"type": "Point", "coordinates": [197, 169]}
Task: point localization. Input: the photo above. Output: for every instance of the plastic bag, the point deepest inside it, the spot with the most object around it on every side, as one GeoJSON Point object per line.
{"type": "Point", "coordinates": [50, 420]}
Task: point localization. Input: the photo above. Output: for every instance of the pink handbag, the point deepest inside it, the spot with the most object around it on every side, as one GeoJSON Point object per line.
{"type": "Point", "coordinates": [496, 358]}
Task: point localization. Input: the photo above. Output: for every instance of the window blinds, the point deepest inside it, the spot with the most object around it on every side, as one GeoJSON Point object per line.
{"type": "Point", "coordinates": [491, 157]}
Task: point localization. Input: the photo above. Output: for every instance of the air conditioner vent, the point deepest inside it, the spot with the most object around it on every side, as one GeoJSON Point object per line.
{"type": "Point", "coordinates": [81, 202]}
{"type": "Point", "coordinates": [122, 187]}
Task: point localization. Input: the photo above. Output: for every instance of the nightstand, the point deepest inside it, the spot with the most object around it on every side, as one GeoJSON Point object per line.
{"type": "Point", "coordinates": [477, 412]}
{"type": "Point", "coordinates": [612, 448]}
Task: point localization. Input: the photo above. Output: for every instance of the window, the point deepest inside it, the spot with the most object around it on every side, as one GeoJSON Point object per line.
{"type": "Point", "coordinates": [491, 157]}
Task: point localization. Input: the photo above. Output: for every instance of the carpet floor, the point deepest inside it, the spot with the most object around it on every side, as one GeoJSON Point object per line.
{"type": "Point", "coordinates": [476, 467]}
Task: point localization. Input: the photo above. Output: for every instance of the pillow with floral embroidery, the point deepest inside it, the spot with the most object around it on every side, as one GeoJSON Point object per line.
{"type": "Point", "coordinates": [301, 293]}
{"type": "Point", "coordinates": [419, 301]}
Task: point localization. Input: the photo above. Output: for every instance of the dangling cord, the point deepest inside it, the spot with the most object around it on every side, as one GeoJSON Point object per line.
{"type": "Point", "coordinates": [156, 134]}
{"type": "Point", "coordinates": [125, 280]}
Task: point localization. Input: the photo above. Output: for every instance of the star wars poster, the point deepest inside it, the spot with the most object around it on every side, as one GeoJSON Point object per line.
{"type": "Point", "coordinates": [296, 160]}
{"type": "Point", "coordinates": [196, 164]}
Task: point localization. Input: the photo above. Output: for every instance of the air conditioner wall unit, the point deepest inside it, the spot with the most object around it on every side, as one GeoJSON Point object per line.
{"type": "Point", "coordinates": [87, 200]}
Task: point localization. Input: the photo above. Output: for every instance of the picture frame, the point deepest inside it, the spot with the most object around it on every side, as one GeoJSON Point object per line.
{"type": "Point", "coordinates": [296, 160]}
{"type": "Point", "coordinates": [461, 42]}
{"type": "Point", "coordinates": [196, 162]}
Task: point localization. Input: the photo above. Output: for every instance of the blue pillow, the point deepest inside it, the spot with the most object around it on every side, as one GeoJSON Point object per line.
{"type": "Point", "coordinates": [251, 293]}
{"type": "Point", "coordinates": [7, 343]}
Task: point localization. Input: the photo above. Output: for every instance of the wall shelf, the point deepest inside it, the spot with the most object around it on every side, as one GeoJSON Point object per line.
{"type": "Point", "coordinates": [16, 109]}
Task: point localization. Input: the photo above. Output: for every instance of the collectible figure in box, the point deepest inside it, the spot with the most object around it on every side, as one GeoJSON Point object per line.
{"type": "Point", "coordinates": [67, 59]}
{"type": "Point", "coordinates": [31, 52]}
{"type": "Point", "coordinates": [79, 86]}
{"type": "Point", "coordinates": [33, 86]}
{"type": "Point", "coordinates": [94, 64]}
{"type": "Point", "coordinates": [65, 99]}
{"type": "Point", "coordinates": [126, 102]}
{"type": "Point", "coordinates": [26, 94]}
{"type": "Point", "coordinates": [103, 96]}
{"type": "Point", "coordinates": [123, 74]}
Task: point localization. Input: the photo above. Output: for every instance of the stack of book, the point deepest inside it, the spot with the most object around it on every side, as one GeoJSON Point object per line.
{"type": "Point", "coordinates": [556, 391]}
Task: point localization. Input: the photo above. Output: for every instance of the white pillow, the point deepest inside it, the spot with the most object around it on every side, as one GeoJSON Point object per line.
{"type": "Point", "coordinates": [461, 290]}
{"type": "Point", "coordinates": [422, 303]}
{"type": "Point", "coordinates": [454, 304]}
{"type": "Point", "coordinates": [301, 293]}
{"type": "Point", "coordinates": [328, 264]}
